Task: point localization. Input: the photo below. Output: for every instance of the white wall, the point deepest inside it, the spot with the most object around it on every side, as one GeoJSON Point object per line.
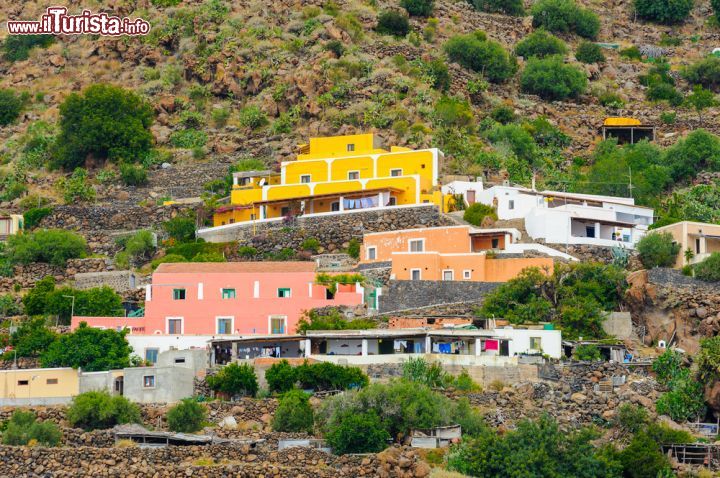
{"type": "Point", "coordinates": [163, 342]}
{"type": "Point", "coordinates": [551, 341]}
{"type": "Point", "coordinates": [523, 203]}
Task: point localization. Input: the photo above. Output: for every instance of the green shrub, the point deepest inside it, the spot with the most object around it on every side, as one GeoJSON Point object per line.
{"type": "Point", "coordinates": [668, 117]}
{"type": "Point", "coordinates": [11, 106]}
{"type": "Point", "coordinates": [133, 175]}
{"type": "Point", "coordinates": [103, 349]}
{"type": "Point", "coordinates": [705, 72]}
{"type": "Point", "coordinates": [418, 8]}
{"type": "Point", "coordinates": [708, 360]}
{"type": "Point", "coordinates": [588, 52]}
{"type": "Point", "coordinates": [552, 79]}
{"type": "Point", "coordinates": [220, 116]}
{"type": "Point", "coordinates": [32, 337]}
{"type": "Point", "coordinates": [503, 114]}
{"type": "Point", "coordinates": [180, 228]}
{"type": "Point", "coordinates": [452, 111]}
{"type": "Point", "coordinates": [188, 138]}
{"type": "Point", "coordinates": [667, 367]}
{"type": "Point", "coordinates": [76, 187]}
{"type": "Point", "coordinates": [465, 383]}
{"type": "Point", "coordinates": [684, 401]}
{"type": "Point", "coordinates": [333, 320]}
{"type": "Point", "coordinates": [354, 248]}
{"type": "Point", "coordinates": [328, 376]}
{"type": "Point", "coordinates": [540, 44]}
{"type": "Point", "coordinates": [17, 47]}
{"type": "Point", "coordinates": [587, 352]}
{"type": "Point", "coordinates": [234, 379]}
{"type": "Point", "coordinates": [168, 258]}
{"type": "Point", "coordinates": [247, 252]}
{"type": "Point", "coordinates": [99, 410]}
{"type": "Point", "coordinates": [611, 100]}
{"type": "Point", "coordinates": [633, 53]}
{"type": "Point", "coordinates": [508, 7]}
{"type": "Point", "coordinates": [104, 122]}
{"type": "Point", "coordinates": [281, 377]}
{"type": "Point", "coordinates": [661, 91]}
{"type": "Point", "coordinates": [477, 53]}
{"type": "Point", "coordinates": [393, 23]}
{"type": "Point", "coordinates": [165, 3]}
{"type": "Point", "coordinates": [188, 416]}
{"type": "Point", "coordinates": [642, 458]}
{"type": "Point", "coordinates": [564, 16]}
{"type": "Point", "coordinates": [658, 250]}
{"type": "Point", "coordinates": [140, 246]}
{"type": "Point", "coordinates": [22, 427]}
{"type": "Point", "coordinates": [476, 213]}
{"type": "Point", "coordinates": [294, 413]}
{"type": "Point", "coordinates": [709, 269]}
{"type": "Point", "coordinates": [363, 433]}
{"type": "Point", "coordinates": [698, 151]}
{"type": "Point", "coordinates": [310, 244]}
{"type": "Point", "coordinates": [34, 216]}
{"type": "Point", "coordinates": [252, 117]}
{"type": "Point", "coordinates": [631, 418]}
{"type": "Point", "coordinates": [54, 246]}
{"type": "Point", "coordinates": [437, 70]}
{"type": "Point", "coordinates": [517, 138]}
{"type": "Point", "coordinates": [663, 11]}
{"type": "Point", "coordinates": [419, 370]}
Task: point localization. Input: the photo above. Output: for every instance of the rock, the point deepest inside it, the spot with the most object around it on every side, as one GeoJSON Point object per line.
{"type": "Point", "coordinates": [228, 422]}
{"type": "Point", "coordinates": [578, 398]}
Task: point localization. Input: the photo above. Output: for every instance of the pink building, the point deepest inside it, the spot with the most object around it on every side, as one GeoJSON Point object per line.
{"type": "Point", "coordinates": [212, 298]}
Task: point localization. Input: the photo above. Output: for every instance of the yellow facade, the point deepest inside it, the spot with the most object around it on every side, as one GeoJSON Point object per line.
{"type": "Point", "coordinates": [39, 383]}
{"type": "Point", "coordinates": [337, 173]}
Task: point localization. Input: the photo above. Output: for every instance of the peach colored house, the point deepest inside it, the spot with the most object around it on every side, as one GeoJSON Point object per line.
{"type": "Point", "coordinates": [228, 298]}
{"type": "Point", "coordinates": [700, 238]}
{"type": "Point", "coordinates": [447, 253]}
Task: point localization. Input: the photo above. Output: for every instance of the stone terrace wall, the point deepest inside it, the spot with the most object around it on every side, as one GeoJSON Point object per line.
{"type": "Point", "coordinates": [29, 274]}
{"type": "Point", "coordinates": [403, 295]}
{"type": "Point", "coordinates": [334, 231]}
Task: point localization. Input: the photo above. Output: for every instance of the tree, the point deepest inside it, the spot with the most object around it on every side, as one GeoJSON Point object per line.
{"type": "Point", "coordinates": [100, 410]}
{"type": "Point", "coordinates": [552, 79]}
{"type": "Point", "coordinates": [663, 11]}
{"type": "Point", "coordinates": [180, 228]}
{"type": "Point", "coordinates": [705, 72]}
{"type": "Point", "coordinates": [642, 458]}
{"type": "Point", "coordinates": [328, 376]}
{"type": "Point", "coordinates": [17, 47]}
{"type": "Point", "coordinates": [10, 106]}
{"type": "Point", "coordinates": [362, 433]}
{"type": "Point", "coordinates": [452, 111]}
{"type": "Point", "coordinates": [716, 6]}
{"type": "Point", "coordinates": [475, 52]}
{"type": "Point", "coordinates": [234, 379]}
{"type": "Point", "coordinates": [587, 352]}
{"type": "Point", "coordinates": [564, 16]}
{"type": "Point", "coordinates": [22, 428]}
{"type": "Point", "coordinates": [32, 338]}
{"type": "Point", "coordinates": [393, 23]}
{"type": "Point", "coordinates": [700, 99]}
{"type": "Point", "coordinates": [333, 320]}
{"type": "Point", "coordinates": [281, 377]}
{"type": "Point", "coordinates": [699, 150]}
{"type": "Point", "coordinates": [540, 44]}
{"type": "Point", "coordinates": [133, 175]}
{"type": "Point", "coordinates": [188, 416]}
{"type": "Point", "coordinates": [105, 122]}
{"type": "Point", "coordinates": [658, 250]}
{"type": "Point", "coordinates": [476, 213]}
{"type": "Point", "coordinates": [294, 413]}
{"type": "Point", "coordinates": [418, 8]}
{"type": "Point", "coordinates": [508, 7]}
{"type": "Point", "coordinates": [90, 349]}
{"type": "Point", "coordinates": [588, 52]}
{"type": "Point", "coordinates": [54, 246]}
{"type": "Point", "coordinates": [35, 301]}
{"type": "Point", "coordinates": [709, 269]}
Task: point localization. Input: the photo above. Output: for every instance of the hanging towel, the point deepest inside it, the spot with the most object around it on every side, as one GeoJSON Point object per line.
{"type": "Point", "coordinates": [492, 345]}
{"type": "Point", "coordinates": [445, 348]}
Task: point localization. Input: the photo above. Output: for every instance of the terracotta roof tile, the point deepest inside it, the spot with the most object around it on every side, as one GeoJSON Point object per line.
{"type": "Point", "coordinates": [233, 267]}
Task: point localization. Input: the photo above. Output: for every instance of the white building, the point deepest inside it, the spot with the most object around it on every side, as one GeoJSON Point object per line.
{"type": "Point", "coordinates": [564, 218]}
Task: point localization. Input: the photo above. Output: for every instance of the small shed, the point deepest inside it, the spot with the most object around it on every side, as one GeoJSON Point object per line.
{"type": "Point", "coordinates": [628, 130]}
{"type": "Point", "coordinates": [157, 439]}
{"type": "Point", "coordinates": [437, 437]}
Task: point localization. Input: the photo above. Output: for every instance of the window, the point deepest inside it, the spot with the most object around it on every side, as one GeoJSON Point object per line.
{"type": "Point", "coordinates": [51, 381]}
{"type": "Point", "coordinates": [174, 326]}
{"type": "Point", "coordinates": [224, 325]}
{"type": "Point", "coordinates": [589, 231]}
{"type": "Point", "coordinates": [415, 274]}
{"type": "Point", "coordinates": [511, 204]}
{"type": "Point", "coordinates": [417, 245]}
{"type": "Point", "coordinates": [371, 253]}
{"type": "Point", "coordinates": [149, 381]}
{"type": "Point", "coordinates": [393, 201]}
{"type": "Point", "coordinates": [351, 147]}
{"type": "Point", "coordinates": [277, 324]}
{"type": "Point", "coordinates": [335, 206]}
{"type": "Point", "coordinates": [353, 174]}
{"type": "Point", "coordinates": [284, 211]}
{"type": "Point", "coordinates": [23, 382]}
{"type": "Point", "coordinates": [178, 294]}
{"type": "Point", "coordinates": [535, 343]}
{"type": "Point", "coordinates": [284, 293]}
{"type": "Point", "coordinates": [396, 172]}
{"type": "Point", "coordinates": [448, 275]}
{"type": "Point", "coordinates": [305, 178]}
{"type": "Point", "coordinates": [180, 360]}
{"type": "Point", "coordinates": [467, 274]}
{"type": "Point", "coordinates": [697, 246]}
{"type": "Point", "coordinates": [228, 293]}
{"type": "Point", "coordinates": [495, 243]}
{"type": "Point", "coordinates": [151, 355]}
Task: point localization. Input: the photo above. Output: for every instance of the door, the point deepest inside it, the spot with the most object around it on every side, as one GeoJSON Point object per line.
{"type": "Point", "coordinates": [470, 196]}
{"type": "Point", "coordinates": [386, 347]}
{"type": "Point", "coordinates": [277, 324]}
{"type": "Point", "coordinates": [119, 386]}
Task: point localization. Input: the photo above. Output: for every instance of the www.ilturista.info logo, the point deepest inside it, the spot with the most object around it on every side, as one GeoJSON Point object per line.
{"type": "Point", "coordinates": [56, 21]}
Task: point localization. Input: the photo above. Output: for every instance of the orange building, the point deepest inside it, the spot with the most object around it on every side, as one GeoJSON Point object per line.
{"type": "Point", "coordinates": [448, 253]}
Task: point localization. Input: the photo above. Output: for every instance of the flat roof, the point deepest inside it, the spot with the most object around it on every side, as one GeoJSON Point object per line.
{"type": "Point", "coordinates": [234, 267]}
{"type": "Point", "coordinates": [347, 194]}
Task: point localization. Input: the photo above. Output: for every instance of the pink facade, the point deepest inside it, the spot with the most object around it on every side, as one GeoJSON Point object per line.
{"type": "Point", "coordinates": [228, 298]}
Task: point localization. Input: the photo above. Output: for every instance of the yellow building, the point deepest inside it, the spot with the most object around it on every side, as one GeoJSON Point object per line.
{"type": "Point", "coordinates": [336, 174]}
{"type": "Point", "coordinates": [36, 386]}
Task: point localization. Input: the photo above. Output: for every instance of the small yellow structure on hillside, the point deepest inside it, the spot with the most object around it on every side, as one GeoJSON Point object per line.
{"type": "Point", "coordinates": [627, 130]}
{"type": "Point", "coordinates": [336, 174]}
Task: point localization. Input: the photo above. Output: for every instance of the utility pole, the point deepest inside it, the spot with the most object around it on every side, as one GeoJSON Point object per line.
{"type": "Point", "coordinates": [630, 185]}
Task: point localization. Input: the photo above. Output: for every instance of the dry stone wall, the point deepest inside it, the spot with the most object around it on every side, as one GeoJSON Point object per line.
{"type": "Point", "coordinates": [404, 295]}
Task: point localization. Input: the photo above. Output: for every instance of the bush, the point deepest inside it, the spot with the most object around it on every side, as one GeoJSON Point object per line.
{"type": "Point", "coordinates": [503, 114]}
{"type": "Point", "coordinates": [477, 53]}
{"type": "Point", "coordinates": [476, 214]}
{"type": "Point", "coordinates": [685, 401]}
{"type": "Point", "coordinates": [709, 269]}
{"type": "Point", "coordinates": [32, 217]}
{"type": "Point", "coordinates": [551, 79]}
{"type": "Point", "coordinates": [540, 44]}
{"type": "Point", "coordinates": [363, 433]}
{"type": "Point", "coordinates": [76, 187]}
{"type": "Point", "coordinates": [310, 244]}
{"type": "Point", "coordinates": [354, 248]}
{"type": "Point", "coordinates": [658, 250]}
{"type": "Point", "coordinates": [17, 47]}
{"type": "Point", "coordinates": [419, 370]}
{"type": "Point", "coordinates": [588, 52]}
{"type": "Point", "coordinates": [188, 138]}
{"type": "Point", "coordinates": [564, 16]}
{"type": "Point", "coordinates": [708, 360]}
{"type": "Point", "coordinates": [99, 410]}
{"type": "Point", "coordinates": [102, 349]}
{"type": "Point", "coordinates": [312, 320]}
{"type": "Point", "coordinates": [632, 53]}
{"type": "Point", "coordinates": [106, 122]}
{"type": "Point", "coordinates": [631, 418]}
{"type": "Point", "coordinates": [54, 246]}
{"type": "Point", "coordinates": [294, 413]}
{"type": "Point", "coordinates": [252, 117]}
{"type": "Point", "coordinates": [168, 258]}
{"type": "Point", "coordinates": [393, 23]}
{"type": "Point", "coordinates": [705, 72]}
{"type": "Point", "coordinates": [133, 175]}
{"type": "Point", "coordinates": [451, 111]}
{"type": "Point", "coordinates": [662, 91]}
{"type": "Point", "coordinates": [587, 352]}
{"type": "Point", "coordinates": [328, 376]}
{"type": "Point", "coordinates": [247, 252]}
{"type": "Point", "coordinates": [233, 380]}
{"type": "Point", "coordinates": [188, 416]}
{"type": "Point", "coordinates": [32, 337]}
{"type": "Point", "coordinates": [10, 106]}
{"type": "Point", "coordinates": [663, 11]}
{"type": "Point", "coordinates": [642, 458]}
{"type": "Point", "coordinates": [22, 428]}
{"type": "Point", "coordinates": [418, 8]}
{"type": "Point", "coordinates": [180, 228]}
{"type": "Point", "coordinates": [698, 151]}
{"type": "Point", "coordinates": [508, 7]}
{"type": "Point", "coordinates": [140, 246]}
{"type": "Point", "coordinates": [281, 377]}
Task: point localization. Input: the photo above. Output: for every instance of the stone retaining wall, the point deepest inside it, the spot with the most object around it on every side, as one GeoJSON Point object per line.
{"type": "Point", "coordinates": [27, 275]}
{"type": "Point", "coordinates": [404, 295]}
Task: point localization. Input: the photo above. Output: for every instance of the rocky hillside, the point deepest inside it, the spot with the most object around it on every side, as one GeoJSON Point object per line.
{"type": "Point", "coordinates": [316, 68]}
